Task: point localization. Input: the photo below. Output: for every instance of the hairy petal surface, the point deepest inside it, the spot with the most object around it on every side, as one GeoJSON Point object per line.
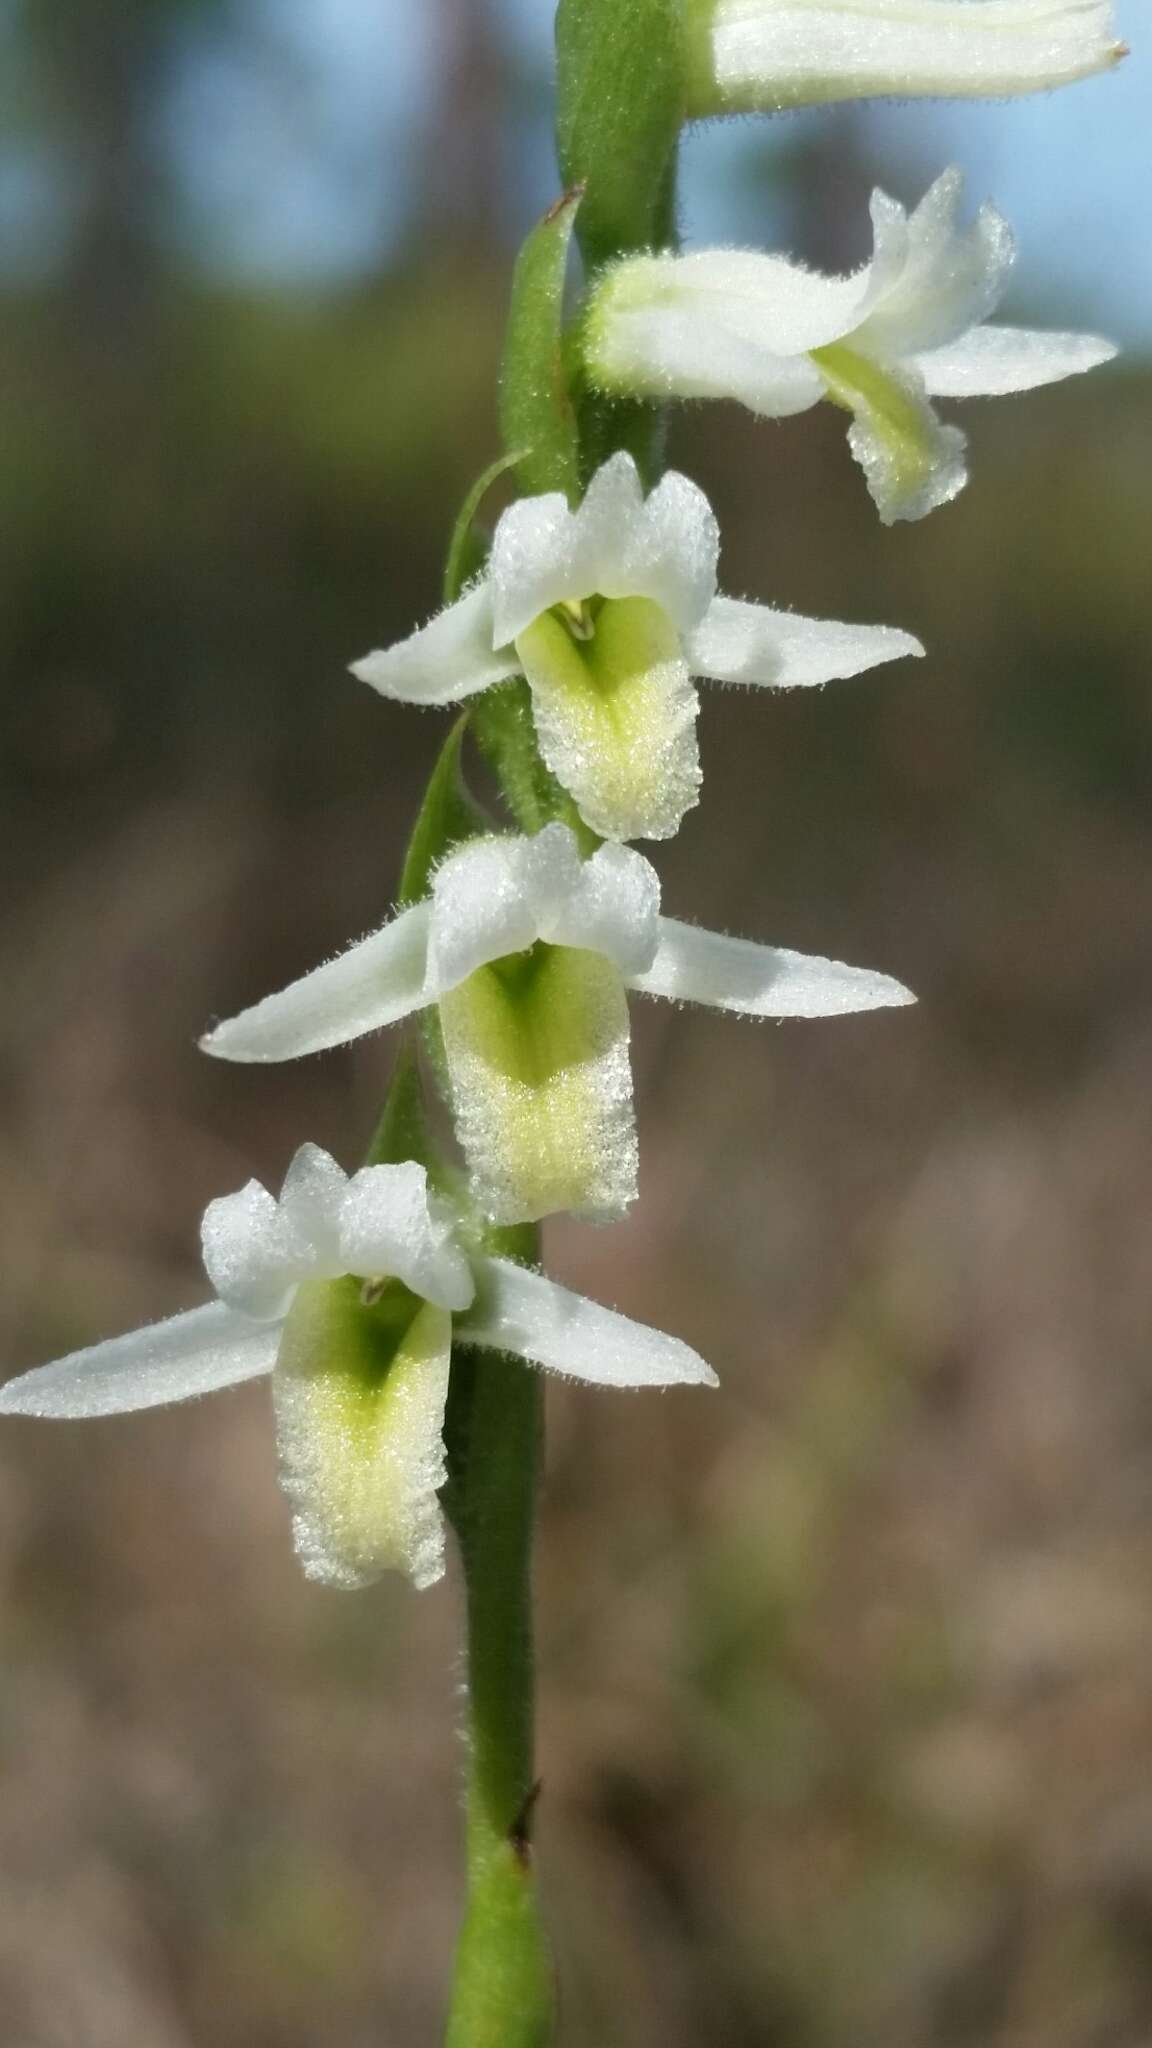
{"type": "Point", "coordinates": [451, 658]}
{"type": "Point", "coordinates": [615, 544]}
{"type": "Point", "coordinates": [750, 643]}
{"type": "Point", "coordinates": [196, 1353]}
{"type": "Point", "coordinates": [912, 462]}
{"type": "Point", "coordinates": [496, 897]}
{"type": "Point", "coordinates": [697, 966]}
{"type": "Point", "coordinates": [359, 1391]}
{"type": "Point", "coordinates": [994, 361]}
{"type": "Point", "coordinates": [390, 1225]}
{"type": "Point", "coordinates": [730, 323]}
{"type": "Point", "coordinates": [950, 278]}
{"type": "Point", "coordinates": [376, 982]}
{"type": "Point", "coordinates": [762, 56]}
{"type": "Point", "coordinates": [615, 716]}
{"type": "Point", "coordinates": [245, 1255]}
{"type": "Point", "coordinates": [537, 1051]}
{"type": "Point", "coordinates": [522, 1311]}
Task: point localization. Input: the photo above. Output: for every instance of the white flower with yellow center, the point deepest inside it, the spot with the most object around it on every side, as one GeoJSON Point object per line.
{"type": "Point", "coordinates": [909, 327]}
{"type": "Point", "coordinates": [610, 611]}
{"type": "Point", "coordinates": [762, 56]}
{"type": "Point", "coordinates": [350, 1293]}
{"type": "Point", "coordinates": [529, 952]}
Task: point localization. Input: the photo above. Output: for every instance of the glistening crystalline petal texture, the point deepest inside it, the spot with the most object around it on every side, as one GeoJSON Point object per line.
{"type": "Point", "coordinates": [537, 1051]}
{"type": "Point", "coordinates": [995, 361]}
{"type": "Point", "coordinates": [359, 1394]}
{"type": "Point", "coordinates": [750, 643]}
{"type": "Point", "coordinates": [390, 1225]}
{"type": "Point", "coordinates": [767, 54]}
{"type": "Point", "coordinates": [616, 544]}
{"type": "Point", "coordinates": [524, 1312]}
{"type": "Point", "coordinates": [615, 716]}
{"type": "Point", "coordinates": [726, 973]}
{"type": "Point", "coordinates": [949, 279]}
{"type": "Point", "coordinates": [496, 897]}
{"type": "Point", "coordinates": [450, 658]}
{"type": "Point", "coordinates": [376, 982]}
{"type": "Point", "coordinates": [255, 1249]}
{"type": "Point", "coordinates": [731, 323]}
{"type": "Point", "coordinates": [197, 1353]}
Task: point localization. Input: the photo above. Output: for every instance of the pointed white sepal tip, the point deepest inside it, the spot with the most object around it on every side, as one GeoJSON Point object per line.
{"type": "Point", "coordinates": [197, 1353]}
{"type": "Point", "coordinates": [725, 973]}
{"type": "Point", "coordinates": [522, 1311]}
{"type": "Point", "coordinates": [377, 981]}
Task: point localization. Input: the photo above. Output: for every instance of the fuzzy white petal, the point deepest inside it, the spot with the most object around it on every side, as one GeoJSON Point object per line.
{"type": "Point", "coordinates": [449, 659]}
{"type": "Point", "coordinates": [615, 716]}
{"type": "Point", "coordinates": [615, 544]}
{"type": "Point", "coordinates": [537, 1053]}
{"type": "Point", "coordinates": [613, 909]}
{"type": "Point", "coordinates": [544, 554]}
{"type": "Point", "coordinates": [993, 361]}
{"type": "Point", "coordinates": [521, 1311]}
{"type": "Point", "coordinates": [311, 1200]}
{"type": "Point", "coordinates": [951, 277]}
{"type": "Point", "coordinates": [376, 982]}
{"type": "Point", "coordinates": [496, 897]}
{"type": "Point", "coordinates": [359, 1428]}
{"type": "Point", "coordinates": [484, 901]}
{"type": "Point", "coordinates": [697, 966]}
{"type": "Point", "coordinates": [197, 1353]}
{"type": "Point", "coordinates": [245, 1254]}
{"type": "Point", "coordinates": [694, 323]}
{"type": "Point", "coordinates": [388, 1227]}
{"type": "Point", "coordinates": [669, 553]}
{"type": "Point", "coordinates": [751, 643]}
{"type": "Point", "coordinates": [766, 55]}
{"type": "Point", "coordinates": [912, 461]}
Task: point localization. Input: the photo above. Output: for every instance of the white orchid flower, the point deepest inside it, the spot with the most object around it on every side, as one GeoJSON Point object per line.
{"type": "Point", "coordinates": [909, 327]}
{"type": "Point", "coordinates": [350, 1292]}
{"type": "Point", "coordinates": [763, 56]}
{"type": "Point", "coordinates": [528, 953]}
{"type": "Point", "coordinates": [610, 611]}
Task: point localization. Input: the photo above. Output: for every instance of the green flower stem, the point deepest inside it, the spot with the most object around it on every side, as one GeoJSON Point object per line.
{"type": "Point", "coordinates": [503, 1990]}
{"type": "Point", "coordinates": [619, 111]}
{"type": "Point", "coordinates": [620, 72]}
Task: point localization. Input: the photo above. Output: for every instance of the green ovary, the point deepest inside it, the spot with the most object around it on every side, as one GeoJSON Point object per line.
{"type": "Point", "coordinates": [537, 1049]}
{"type": "Point", "coordinates": [359, 1386]}
{"type": "Point", "coordinates": [615, 712]}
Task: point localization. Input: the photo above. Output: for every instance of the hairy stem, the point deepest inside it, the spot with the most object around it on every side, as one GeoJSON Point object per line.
{"type": "Point", "coordinates": [502, 1993]}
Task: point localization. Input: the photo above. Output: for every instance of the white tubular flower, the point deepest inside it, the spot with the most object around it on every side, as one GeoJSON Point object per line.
{"type": "Point", "coordinates": [609, 611]}
{"type": "Point", "coordinates": [528, 952]}
{"type": "Point", "coordinates": [911, 326]}
{"type": "Point", "coordinates": [349, 1292]}
{"type": "Point", "coordinates": [763, 56]}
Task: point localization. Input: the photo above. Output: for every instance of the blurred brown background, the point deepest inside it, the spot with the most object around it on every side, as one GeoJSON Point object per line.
{"type": "Point", "coordinates": [846, 1671]}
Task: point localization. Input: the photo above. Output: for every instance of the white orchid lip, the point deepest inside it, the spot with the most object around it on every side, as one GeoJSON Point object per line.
{"type": "Point", "coordinates": [764, 56]}
{"type": "Point", "coordinates": [911, 326]}
{"type": "Point", "coordinates": [359, 1375]}
{"type": "Point", "coordinates": [609, 611]}
{"type": "Point", "coordinates": [546, 1122]}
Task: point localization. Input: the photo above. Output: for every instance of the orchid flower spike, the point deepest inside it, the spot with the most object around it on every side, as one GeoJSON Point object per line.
{"type": "Point", "coordinates": [609, 611]}
{"type": "Point", "coordinates": [350, 1293]}
{"type": "Point", "coordinates": [762, 56]}
{"type": "Point", "coordinates": [528, 951]}
{"type": "Point", "coordinates": [911, 326]}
